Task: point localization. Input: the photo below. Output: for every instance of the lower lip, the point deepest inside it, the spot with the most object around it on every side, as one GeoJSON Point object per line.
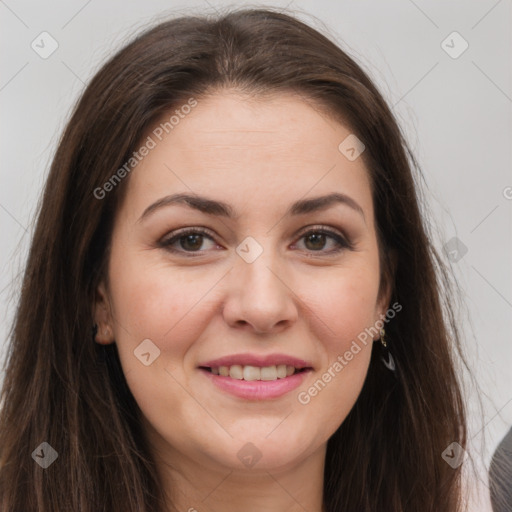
{"type": "Point", "coordinates": [257, 389]}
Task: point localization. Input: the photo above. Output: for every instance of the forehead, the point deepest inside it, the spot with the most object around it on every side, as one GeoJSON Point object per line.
{"type": "Point", "coordinates": [275, 123]}
{"type": "Point", "coordinates": [243, 149]}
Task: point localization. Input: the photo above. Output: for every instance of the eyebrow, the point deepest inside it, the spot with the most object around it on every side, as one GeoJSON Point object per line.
{"type": "Point", "coordinates": [219, 208]}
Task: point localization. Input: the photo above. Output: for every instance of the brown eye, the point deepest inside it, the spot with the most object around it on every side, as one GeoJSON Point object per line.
{"type": "Point", "coordinates": [316, 241]}
{"type": "Point", "coordinates": [187, 241]}
{"type": "Point", "coordinates": [191, 242]}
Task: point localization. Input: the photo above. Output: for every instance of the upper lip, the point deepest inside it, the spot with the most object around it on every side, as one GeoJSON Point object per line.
{"type": "Point", "coordinates": [257, 360]}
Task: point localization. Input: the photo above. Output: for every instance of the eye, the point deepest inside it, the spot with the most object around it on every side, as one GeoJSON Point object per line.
{"type": "Point", "coordinates": [189, 240]}
{"type": "Point", "coordinates": [316, 239]}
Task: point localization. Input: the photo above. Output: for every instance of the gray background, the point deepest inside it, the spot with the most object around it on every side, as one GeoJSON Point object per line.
{"type": "Point", "coordinates": [456, 113]}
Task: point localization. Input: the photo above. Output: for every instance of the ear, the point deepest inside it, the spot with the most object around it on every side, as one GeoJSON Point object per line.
{"type": "Point", "coordinates": [103, 316]}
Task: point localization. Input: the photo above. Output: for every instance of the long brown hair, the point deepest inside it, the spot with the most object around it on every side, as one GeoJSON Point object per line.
{"type": "Point", "coordinates": [62, 388]}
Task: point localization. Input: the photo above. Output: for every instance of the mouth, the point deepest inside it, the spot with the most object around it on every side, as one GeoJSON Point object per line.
{"type": "Point", "coordinates": [253, 377]}
{"type": "Point", "coordinates": [252, 373]}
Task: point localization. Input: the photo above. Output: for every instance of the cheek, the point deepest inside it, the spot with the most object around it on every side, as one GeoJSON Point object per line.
{"type": "Point", "coordinates": [157, 303]}
{"type": "Point", "coordinates": [347, 349]}
{"type": "Point", "coordinates": [168, 307]}
{"type": "Point", "coordinates": [344, 306]}
{"type": "Point", "coordinates": [343, 311]}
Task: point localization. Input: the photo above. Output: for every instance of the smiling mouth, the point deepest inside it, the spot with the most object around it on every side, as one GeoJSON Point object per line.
{"type": "Point", "coordinates": [254, 373]}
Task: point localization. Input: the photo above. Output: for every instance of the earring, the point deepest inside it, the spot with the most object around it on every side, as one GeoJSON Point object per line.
{"type": "Point", "coordinates": [387, 357]}
{"type": "Point", "coordinates": [94, 331]}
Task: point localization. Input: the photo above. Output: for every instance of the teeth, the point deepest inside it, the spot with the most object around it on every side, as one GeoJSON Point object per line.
{"type": "Point", "coordinates": [269, 373]}
{"type": "Point", "coordinates": [236, 372]}
{"type": "Point", "coordinates": [252, 373]}
{"type": "Point", "coordinates": [248, 372]}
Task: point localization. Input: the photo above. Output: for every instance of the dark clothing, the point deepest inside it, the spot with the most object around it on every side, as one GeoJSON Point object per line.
{"type": "Point", "coordinates": [500, 476]}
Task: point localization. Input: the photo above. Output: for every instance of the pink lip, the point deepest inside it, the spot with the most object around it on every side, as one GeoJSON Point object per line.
{"type": "Point", "coordinates": [257, 360]}
{"type": "Point", "coordinates": [256, 389]}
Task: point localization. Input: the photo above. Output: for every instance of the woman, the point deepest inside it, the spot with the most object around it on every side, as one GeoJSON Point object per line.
{"type": "Point", "coordinates": [232, 210]}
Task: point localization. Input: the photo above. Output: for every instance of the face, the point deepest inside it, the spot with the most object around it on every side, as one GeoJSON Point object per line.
{"type": "Point", "coordinates": [250, 273]}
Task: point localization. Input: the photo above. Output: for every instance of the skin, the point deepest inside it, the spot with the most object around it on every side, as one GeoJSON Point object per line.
{"type": "Point", "coordinates": [298, 298]}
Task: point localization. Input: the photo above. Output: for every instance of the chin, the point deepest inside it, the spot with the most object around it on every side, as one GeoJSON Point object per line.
{"type": "Point", "coordinates": [266, 450]}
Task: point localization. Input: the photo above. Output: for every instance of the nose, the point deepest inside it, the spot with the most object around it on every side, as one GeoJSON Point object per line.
{"type": "Point", "coordinates": [259, 298]}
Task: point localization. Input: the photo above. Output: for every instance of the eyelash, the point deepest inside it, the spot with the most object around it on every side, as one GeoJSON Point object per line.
{"type": "Point", "coordinates": [342, 243]}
